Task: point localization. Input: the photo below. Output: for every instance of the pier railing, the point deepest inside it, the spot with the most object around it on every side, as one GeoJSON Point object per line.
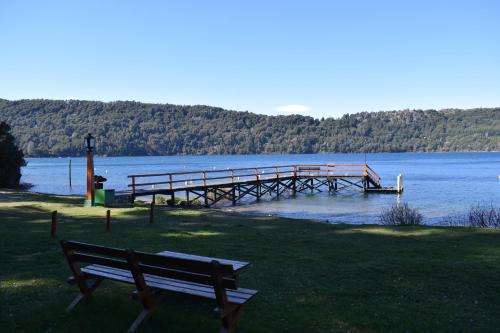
{"type": "Point", "coordinates": [372, 175]}
{"type": "Point", "coordinates": [203, 178]}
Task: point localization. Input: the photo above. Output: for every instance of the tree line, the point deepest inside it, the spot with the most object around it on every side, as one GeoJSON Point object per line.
{"type": "Point", "coordinates": [57, 128]}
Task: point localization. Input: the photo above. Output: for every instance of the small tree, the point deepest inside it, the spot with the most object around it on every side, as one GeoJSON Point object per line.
{"type": "Point", "coordinates": [11, 158]}
{"type": "Point", "coordinates": [400, 215]}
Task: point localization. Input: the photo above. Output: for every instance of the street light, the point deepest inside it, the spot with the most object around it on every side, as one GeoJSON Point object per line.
{"type": "Point", "coordinates": [90, 145]}
{"type": "Point", "coordinates": [90, 142]}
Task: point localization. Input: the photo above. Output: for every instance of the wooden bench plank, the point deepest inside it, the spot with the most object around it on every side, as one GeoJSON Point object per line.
{"type": "Point", "coordinates": [103, 250]}
{"type": "Point", "coordinates": [91, 270]}
{"type": "Point", "coordinates": [179, 263]}
{"type": "Point", "coordinates": [238, 296]}
{"type": "Point", "coordinates": [240, 292]}
{"type": "Point", "coordinates": [92, 259]}
{"type": "Point", "coordinates": [237, 265]}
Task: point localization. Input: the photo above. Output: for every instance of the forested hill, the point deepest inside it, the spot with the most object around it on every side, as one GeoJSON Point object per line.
{"type": "Point", "coordinates": [57, 128]}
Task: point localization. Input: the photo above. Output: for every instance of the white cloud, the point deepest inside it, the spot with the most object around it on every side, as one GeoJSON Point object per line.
{"type": "Point", "coordinates": [293, 108]}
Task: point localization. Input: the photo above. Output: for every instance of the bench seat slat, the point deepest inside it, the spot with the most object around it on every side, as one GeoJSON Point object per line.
{"type": "Point", "coordinates": [237, 265]}
{"type": "Point", "coordinates": [238, 296]}
{"type": "Point", "coordinates": [151, 278]}
{"type": "Point", "coordinates": [108, 274]}
{"type": "Point", "coordinates": [196, 286]}
{"type": "Point", "coordinates": [186, 264]}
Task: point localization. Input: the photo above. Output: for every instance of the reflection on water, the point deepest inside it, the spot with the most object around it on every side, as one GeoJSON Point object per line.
{"type": "Point", "coordinates": [437, 183]}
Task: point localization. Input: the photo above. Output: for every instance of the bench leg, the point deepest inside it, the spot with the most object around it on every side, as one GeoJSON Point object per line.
{"type": "Point", "coordinates": [86, 289]}
{"type": "Point", "coordinates": [150, 304]}
{"type": "Point", "coordinates": [230, 321]}
{"type": "Point", "coordinates": [93, 284]}
{"type": "Point", "coordinates": [140, 318]}
{"type": "Point", "coordinates": [77, 300]}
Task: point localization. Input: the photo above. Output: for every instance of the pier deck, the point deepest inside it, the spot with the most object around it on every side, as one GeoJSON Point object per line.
{"type": "Point", "coordinates": [210, 187]}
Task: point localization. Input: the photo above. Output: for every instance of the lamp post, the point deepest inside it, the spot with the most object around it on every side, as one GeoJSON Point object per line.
{"type": "Point", "coordinates": [69, 166]}
{"type": "Point", "coordinates": [90, 145]}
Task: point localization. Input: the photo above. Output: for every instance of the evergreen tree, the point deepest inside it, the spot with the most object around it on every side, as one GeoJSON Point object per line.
{"type": "Point", "coordinates": [11, 158]}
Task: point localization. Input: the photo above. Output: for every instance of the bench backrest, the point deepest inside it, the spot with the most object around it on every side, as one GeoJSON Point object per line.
{"type": "Point", "coordinates": [186, 269]}
{"type": "Point", "coordinates": [77, 252]}
{"type": "Point", "coordinates": [220, 276]}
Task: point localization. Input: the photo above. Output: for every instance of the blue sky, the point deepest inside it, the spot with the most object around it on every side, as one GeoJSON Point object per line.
{"type": "Point", "coordinates": [321, 58]}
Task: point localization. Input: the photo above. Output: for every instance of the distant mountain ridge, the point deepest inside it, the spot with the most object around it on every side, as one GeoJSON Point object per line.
{"type": "Point", "coordinates": [57, 128]}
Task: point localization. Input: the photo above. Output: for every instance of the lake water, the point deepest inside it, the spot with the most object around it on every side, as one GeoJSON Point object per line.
{"type": "Point", "coordinates": [438, 184]}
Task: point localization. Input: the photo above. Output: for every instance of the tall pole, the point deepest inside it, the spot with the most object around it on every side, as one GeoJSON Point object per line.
{"type": "Point", "coordinates": [69, 172]}
{"type": "Point", "coordinates": [89, 198]}
{"type": "Point", "coordinates": [69, 167]}
{"type": "Point", "coordinates": [364, 148]}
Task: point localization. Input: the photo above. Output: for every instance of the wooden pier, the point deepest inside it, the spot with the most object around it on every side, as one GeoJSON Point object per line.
{"type": "Point", "coordinates": [210, 187]}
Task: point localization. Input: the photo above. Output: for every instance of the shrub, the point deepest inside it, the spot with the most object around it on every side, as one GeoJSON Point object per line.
{"type": "Point", "coordinates": [484, 216]}
{"type": "Point", "coordinates": [478, 216]}
{"type": "Point", "coordinates": [401, 214]}
{"type": "Point", "coordinates": [160, 200]}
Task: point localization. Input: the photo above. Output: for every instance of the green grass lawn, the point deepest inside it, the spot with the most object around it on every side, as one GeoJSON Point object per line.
{"type": "Point", "coordinates": [312, 277]}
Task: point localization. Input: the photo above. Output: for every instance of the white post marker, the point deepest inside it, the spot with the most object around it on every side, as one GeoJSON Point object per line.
{"type": "Point", "coordinates": [399, 183]}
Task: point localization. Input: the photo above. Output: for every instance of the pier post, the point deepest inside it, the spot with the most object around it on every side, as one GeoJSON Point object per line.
{"type": "Point", "coordinates": [53, 225]}
{"type": "Point", "coordinates": [152, 211]}
{"type": "Point", "coordinates": [215, 194]}
{"type": "Point", "coordinates": [69, 173]}
{"type": "Point", "coordinates": [399, 183]}
{"type": "Point", "coordinates": [108, 220]}
{"type": "Point", "coordinates": [233, 194]}
{"type": "Point", "coordinates": [277, 183]}
{"type": "Point", "coordinates": [133, 185]}
{"type": "Point", "coordinates": [258, 184]}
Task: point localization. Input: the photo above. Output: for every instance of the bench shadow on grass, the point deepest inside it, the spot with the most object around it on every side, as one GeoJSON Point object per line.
{"type": "Point", "coordinates": [311, 276]}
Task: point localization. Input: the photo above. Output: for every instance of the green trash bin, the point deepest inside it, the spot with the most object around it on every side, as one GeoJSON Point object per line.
{"type": "Point", "coordinates": [104, 197]}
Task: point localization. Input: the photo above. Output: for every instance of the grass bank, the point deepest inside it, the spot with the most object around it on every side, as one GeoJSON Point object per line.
{"type": "Point", "coordinates": [312, 277]}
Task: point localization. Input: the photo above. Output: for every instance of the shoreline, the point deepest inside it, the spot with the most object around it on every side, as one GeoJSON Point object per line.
{"type": "Point", "coordinates": [276, 154]}
{"type": "Point", "coordinates": [7, 195]}
{"type": "Point", "coordinates": [17, 195]}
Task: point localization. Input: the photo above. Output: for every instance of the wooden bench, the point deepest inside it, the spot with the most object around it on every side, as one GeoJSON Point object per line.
{"type": "Point", "coordinates": [154, 275]}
